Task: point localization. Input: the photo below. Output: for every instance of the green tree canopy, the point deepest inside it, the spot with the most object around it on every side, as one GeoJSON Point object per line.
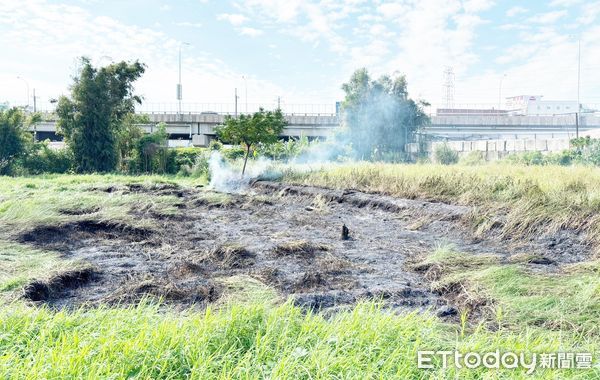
{"type": "Point", "coordinates": [15, 141]}
{"type": "Point", "coordinates": [248, 130]}
{"type": "Point", "coordinates": [91, 118]}
{"type": "Point", "coordinates": [378, 115]}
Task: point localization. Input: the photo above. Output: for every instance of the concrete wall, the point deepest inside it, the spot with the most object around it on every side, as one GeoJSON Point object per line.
{"type": "Point", "coordinates": [495, 149]}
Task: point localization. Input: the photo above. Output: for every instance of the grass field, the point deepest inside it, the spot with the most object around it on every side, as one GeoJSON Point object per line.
{"type": "Point", "coordinates": [532, 199]}
{"type": "Point", "coordinates": [254, 334]}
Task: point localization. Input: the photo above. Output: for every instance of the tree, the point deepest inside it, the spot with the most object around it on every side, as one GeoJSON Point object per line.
{"type": "Point", "coordinates": [92, 117]}
{"type": "Point", "coordinates": [128, 137]}
{"type": "Point", "coordinates": [248, 130]}
{"type": "Point", "coordinates": [152, 150]}
{"type": "Point", "coordinates": [15, 141]}
{"type": "Point", "coordinates": [379, 117]}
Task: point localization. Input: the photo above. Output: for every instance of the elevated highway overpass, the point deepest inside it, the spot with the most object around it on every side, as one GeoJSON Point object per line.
{"type": "Point", "coordinates": [199, 128]}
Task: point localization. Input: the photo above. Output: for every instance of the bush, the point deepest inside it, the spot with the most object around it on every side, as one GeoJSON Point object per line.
{"type": "Point", "coordinates": [527, 158]}
{"type": "Point", "coordinates": [199, 169]}
{"type": "Point", "coordinates": [233, 153]}
{"type": "Point", "coordinates": [564, 158]}
{"type": "Point", "coordinates": [186, 156]}
{"type": "Point", "coordinates": [445, 155]}
{"type": "Point", "coordinates": [590, 154]}
{"type": "Point", "coordinates": [14, 139]}
{"type": "Point", "coordinates": [474, 158]}
{"type": "Point", "coordinates": [283, 150]}
{"type": "Point", "coordinates": [43, 159]}
{"type": "Point", "coordinates": [215, 145]}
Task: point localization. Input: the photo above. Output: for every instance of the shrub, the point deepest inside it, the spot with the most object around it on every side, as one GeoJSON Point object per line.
{"type": "Point", "coordinates": [215, 145]}
{"type": "Point", "coordinates": [473, 158]}
{"type": "Point", "coordinates": [186, 156]}
{"type": "Point", "coordinates": [564, 158]}
{"type": "Point", "coordinates": [283, 150]}
{"type": "Point", "coordinates": [199, 168]}
{"type": "Point", "coordinates": [152, 154]}
{"type": "Point", "coordinates": [43, 159]}
{"type": "Point", "coordinates": [590, 154]}
{"type": "Point", "coordinates": [445, 155]}
{"type": "Point", "coordinates": [14, 139]}
{"type": "Point", "coordinates": [527, 158]}
{"type": "Point", "coordinates": [233, 153]}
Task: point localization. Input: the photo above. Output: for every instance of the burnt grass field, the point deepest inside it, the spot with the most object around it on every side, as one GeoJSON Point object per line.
{"type": "Point", "coordinates": [288, 237]}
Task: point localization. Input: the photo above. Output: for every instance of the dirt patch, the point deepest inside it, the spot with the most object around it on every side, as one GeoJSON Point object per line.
{"type": "Point", "coordinates": [289, 237]}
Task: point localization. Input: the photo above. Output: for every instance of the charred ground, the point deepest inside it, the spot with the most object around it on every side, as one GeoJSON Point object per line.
{"type": "Point", "coordinates": [287, 237]}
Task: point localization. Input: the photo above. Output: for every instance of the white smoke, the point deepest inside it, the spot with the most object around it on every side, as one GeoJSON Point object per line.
{"type": "Point", "coordinates": [227, 178]}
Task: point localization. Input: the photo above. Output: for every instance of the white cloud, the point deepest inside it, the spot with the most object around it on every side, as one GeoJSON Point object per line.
{"type": "Point", "coordinates": [590, 12]}
{"type": "Point", "coordinates": [189, 24]}
{"type": "Point", "coordinates": [417, 38]}
{"type": "Point", "coordinates": [516, 10]}
{"type": "Point", "coordinates": [392, 9]}
{"type": "Point", "coordinates": [25, 37]}
{"type": "Point", "coordinates": [251, 32]}
{"type": "Point", "coordinates": [514, 27]}
{"type": "Point", "coordinates": [548, 17]}
{"type": "Point", "coordinates": [165, 8]}
{"type": "Point", "coordinates": [564, 3]}
{"type": "Point", "coordinates": [233, 18]}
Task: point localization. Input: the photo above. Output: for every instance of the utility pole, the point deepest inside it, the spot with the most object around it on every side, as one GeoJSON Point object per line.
{"type": "Point", "coordinates": [34, 101]}
{"type": "Point", "coordinates": [179, 86]}
{"type": "Point", "coordinates": [279, 102]}
{"type": "Point", "coordinates": [236, 100]}
{"type": "Point", "coordinates": [576, 125]}
{"type": "Point", "coordinates": [578, 82]}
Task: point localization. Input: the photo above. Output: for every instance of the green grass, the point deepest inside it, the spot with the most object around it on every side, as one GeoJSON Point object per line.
{"type": "Point", "coordinates": [250, 333]}
{"type": "Point", "coordinates": [250, 341]}
{"type": "Point", "coordinates": [565, 300]}
{"type": "Point", "coordinates": [19, 263]}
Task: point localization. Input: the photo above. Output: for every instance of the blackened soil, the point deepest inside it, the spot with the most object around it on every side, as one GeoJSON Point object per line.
{"type": "Point", "coordinates": [289, 237]}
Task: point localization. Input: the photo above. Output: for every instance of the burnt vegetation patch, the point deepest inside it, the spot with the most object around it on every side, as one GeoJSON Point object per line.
{"type": "Point", "coordinates": [299, 248]}
{"type": "Point", "coordinates": [64, 235]}
{"type": "Point", "coordinates": [74, 211]}
{"type": "Point", "coordinates": [287, 237]}
{"type": "Point", "coordinates": [230, 256]}
{"type": "Point", "coordinates": [189, 292]}
{"type": "Point", "coordinates": [57, 284]}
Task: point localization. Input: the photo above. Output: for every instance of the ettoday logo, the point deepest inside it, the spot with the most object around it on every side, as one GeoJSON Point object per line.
{"type": "Point", "coordinates": [505, 360]}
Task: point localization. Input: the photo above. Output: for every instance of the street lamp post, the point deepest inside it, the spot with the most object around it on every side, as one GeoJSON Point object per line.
{"type": "Point", "coordinates": [27, 85]}
{"type": "Point", "coordinates": [236, 102]}
{"type": "Point", "coordinates": [578, 72]}
{"type": "Point", "coordinates": [179, 86]}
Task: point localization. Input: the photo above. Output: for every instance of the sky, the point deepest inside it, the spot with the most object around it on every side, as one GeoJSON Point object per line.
{"type": "Point", "coordinates": [302, 51]}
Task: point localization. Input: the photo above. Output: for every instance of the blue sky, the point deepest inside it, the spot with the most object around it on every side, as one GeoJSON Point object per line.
{"type": "Point", "coordinates": [303, 51]}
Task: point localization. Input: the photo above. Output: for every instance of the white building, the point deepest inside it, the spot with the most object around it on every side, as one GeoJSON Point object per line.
{"type": "Point", "coordinates": [534, 105]}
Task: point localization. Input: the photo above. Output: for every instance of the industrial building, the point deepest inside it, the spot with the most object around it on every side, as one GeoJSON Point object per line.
{"type": "Point", "coordinates": [534, 105]}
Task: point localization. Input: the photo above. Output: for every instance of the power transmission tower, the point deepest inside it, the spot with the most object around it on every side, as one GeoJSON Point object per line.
{"type": "Point", "coordinates": [448, 86]}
